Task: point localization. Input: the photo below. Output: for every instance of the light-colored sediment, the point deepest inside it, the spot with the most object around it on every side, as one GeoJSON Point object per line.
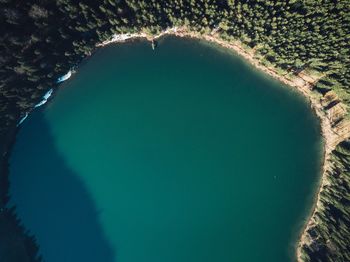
{"type": "Point", "coordinates": [334, 128]}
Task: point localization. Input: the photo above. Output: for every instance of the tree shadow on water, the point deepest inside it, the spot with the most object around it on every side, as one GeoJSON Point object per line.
{"type": "Point", "coordinates": [52, 201]}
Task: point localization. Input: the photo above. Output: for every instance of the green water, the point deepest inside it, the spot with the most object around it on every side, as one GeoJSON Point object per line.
{"type": "Point", "coordinates": [184, 154]}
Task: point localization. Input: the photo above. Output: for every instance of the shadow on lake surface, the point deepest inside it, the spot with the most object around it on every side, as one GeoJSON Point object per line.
{"type": "Point", "coordinates": [55, 195]}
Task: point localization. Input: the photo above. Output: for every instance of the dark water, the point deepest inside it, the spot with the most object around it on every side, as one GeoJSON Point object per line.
{"type": "Point", "coordinates": [184, 153]}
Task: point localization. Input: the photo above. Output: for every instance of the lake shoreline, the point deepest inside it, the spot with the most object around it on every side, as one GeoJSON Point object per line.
{"type": "Point", "coordinates": [302, 83]}
{"type": "Point", "coordinates": [222, 69]}
{"type": "Point", "coordinates": [331, 138]}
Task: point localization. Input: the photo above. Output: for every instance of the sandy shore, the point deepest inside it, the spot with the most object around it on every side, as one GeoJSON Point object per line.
{"type": "Point", "coordinates": [303, 83]}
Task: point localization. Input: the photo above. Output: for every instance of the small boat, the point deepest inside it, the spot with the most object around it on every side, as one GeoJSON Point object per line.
{"type": "Point", "coordinates": [153, 44]}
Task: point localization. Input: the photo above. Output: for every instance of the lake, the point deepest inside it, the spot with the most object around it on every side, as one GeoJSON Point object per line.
{"type": "Point", "coordinates": [184, 153]}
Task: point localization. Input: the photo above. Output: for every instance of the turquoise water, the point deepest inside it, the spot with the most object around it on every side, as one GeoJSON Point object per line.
{"type": "Point", "coordinates": [184, 153]}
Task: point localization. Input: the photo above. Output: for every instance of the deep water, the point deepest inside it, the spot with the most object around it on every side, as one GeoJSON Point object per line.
{"type": "Point", "coordinates": [184, 153]}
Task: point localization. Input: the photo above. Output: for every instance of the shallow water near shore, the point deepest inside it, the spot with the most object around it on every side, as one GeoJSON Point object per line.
{"type": "Point", "coordinates": [184, 153]}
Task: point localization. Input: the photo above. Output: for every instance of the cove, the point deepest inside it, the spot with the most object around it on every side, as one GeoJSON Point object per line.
{"type": "Point", "coordinates": [184, 153]}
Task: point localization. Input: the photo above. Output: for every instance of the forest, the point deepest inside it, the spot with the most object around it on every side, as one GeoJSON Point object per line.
{"type": "Point", "coordinates": [332, 231]}
{"type": "Point", "coordinates": [41, 40]}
